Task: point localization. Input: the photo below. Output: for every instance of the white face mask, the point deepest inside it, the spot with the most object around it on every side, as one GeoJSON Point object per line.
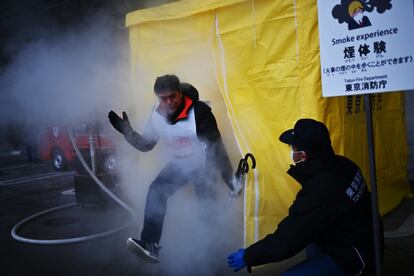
{"type": "Point", "coordinates": [292, 153]}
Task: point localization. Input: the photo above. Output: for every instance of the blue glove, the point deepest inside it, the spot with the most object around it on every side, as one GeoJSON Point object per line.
{"type": "Point", "coordinates": [236, 260]}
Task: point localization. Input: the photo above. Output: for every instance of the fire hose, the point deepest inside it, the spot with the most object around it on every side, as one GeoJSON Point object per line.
{"type": "Point", "coordinates": [80, 238]}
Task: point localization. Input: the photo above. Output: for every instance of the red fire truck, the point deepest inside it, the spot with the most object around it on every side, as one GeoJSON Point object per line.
{"type": "Point", "coordinates": [55, 145]}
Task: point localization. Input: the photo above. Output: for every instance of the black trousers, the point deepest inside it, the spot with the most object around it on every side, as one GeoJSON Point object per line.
{"type": "Point", "coordinates": [170, 179]}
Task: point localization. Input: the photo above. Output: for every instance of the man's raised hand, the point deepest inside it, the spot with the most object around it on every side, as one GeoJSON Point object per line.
{"type": "Point", "coordinates": [120, 124]}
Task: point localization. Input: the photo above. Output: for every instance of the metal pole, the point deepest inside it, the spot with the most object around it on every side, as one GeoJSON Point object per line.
{"type": "Point", "coordinates": [92, 151]}
{"type": "Point", "coordinates": [374, 191]}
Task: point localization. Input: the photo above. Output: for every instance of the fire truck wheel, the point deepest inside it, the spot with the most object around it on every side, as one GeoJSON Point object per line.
{"type": "Point", "coordinates": [59, 160]}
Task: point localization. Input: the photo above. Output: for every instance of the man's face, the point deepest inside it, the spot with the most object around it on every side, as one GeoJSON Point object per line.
{"type": "Point", "coordinates": [169, 100]}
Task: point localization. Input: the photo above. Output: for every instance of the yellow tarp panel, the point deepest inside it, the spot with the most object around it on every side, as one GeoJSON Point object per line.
{"type": "Point", "coordinates": [261, 58]}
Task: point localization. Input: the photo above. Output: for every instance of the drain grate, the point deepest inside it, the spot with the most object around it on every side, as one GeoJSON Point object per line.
{"type": "Point", "coordinates": [54, 222]}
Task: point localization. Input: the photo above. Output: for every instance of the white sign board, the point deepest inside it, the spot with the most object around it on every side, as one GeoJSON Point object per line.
{"type": "Point", "coordinates": [366, 46]}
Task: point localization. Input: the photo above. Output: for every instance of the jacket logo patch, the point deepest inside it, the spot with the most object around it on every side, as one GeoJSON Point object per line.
{"type": "Point", "coordinates": [357, 187]}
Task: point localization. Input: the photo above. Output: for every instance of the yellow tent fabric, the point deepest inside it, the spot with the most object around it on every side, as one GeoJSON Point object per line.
{"type": "Point", "coordinates": [261, 59]}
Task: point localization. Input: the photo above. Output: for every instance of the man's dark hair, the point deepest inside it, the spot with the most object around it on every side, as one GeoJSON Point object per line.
{"type": "Point", "coordinates": [167, 82]}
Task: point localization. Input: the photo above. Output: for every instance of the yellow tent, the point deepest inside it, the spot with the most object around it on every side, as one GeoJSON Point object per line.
{"type": "Point", "coordinates": [257, 63]}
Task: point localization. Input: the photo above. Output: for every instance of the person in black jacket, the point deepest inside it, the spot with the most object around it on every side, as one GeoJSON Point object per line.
{"type": "Point", "coordinates": [193, 144]}
{"type": "Point", "coordinates": [331, 216]}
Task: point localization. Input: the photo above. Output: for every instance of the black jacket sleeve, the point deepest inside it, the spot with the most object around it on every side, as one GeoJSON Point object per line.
{"type": "Point", "coordinates": [145, 142]}
{"type": "Point", "coordinates": [139, 142]}
{"type": "Point", "coordinates": [208, 132]}
{"type": "Point", "coordinates": [308, 218]}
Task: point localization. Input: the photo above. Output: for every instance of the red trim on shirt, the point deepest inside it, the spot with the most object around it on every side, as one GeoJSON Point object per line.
{"type": "Point", "coordinates": [184, 113]}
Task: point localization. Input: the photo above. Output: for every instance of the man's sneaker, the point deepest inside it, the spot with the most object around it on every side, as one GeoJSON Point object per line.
{"type": "Point", "coordinates": [147, 251]}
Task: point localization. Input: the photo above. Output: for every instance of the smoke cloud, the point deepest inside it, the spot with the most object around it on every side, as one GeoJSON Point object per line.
{"type": "Point", "coordinates": [72, 77]}
{"type": "Point", "coordinates": [79, 76]}
{"type": "Point", "coordinates": [198, 234]}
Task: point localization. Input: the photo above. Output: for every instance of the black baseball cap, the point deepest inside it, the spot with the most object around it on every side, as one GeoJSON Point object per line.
{"type": "Point", "coordinates": [307, 134]}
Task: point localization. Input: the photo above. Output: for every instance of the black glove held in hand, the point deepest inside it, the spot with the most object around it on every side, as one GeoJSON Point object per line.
{"type": "Point", "coordinates": [120, 124]}
{"type": "Point", "coordinates": [237, 183]}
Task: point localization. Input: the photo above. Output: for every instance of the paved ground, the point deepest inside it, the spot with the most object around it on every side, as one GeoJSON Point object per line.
{"type": "Point", "coordinates": [28, 188]}
{"type": "Point", "coordinates": [399, 252]}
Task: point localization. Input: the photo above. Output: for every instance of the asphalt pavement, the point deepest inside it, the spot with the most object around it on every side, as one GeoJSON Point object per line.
{"type": "Point", "coordinates": [28, 188]}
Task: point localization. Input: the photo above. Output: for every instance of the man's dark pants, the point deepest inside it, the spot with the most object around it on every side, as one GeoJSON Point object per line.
{"type": "Point", "coordinates": [170, 179]}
